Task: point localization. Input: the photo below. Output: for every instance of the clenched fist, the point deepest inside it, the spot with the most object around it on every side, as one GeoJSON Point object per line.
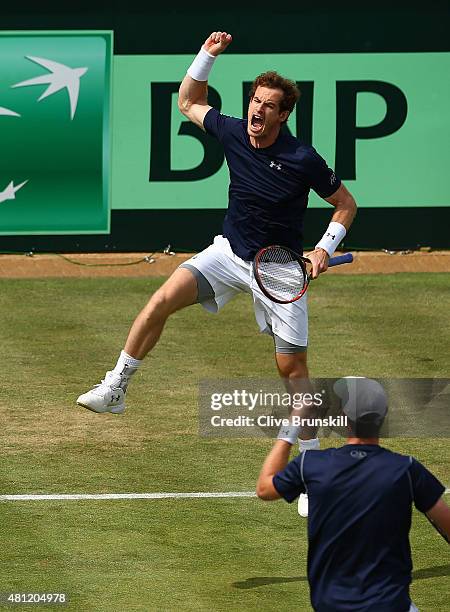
{"type": "Point", "coordinates": [217, 42]}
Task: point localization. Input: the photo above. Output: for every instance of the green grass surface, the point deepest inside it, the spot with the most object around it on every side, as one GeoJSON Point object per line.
{"type": "Point", "coordinates": [59, 336]}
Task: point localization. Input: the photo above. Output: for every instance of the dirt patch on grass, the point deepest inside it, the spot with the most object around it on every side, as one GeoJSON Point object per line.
{"type": "Point", "coordinates": [140, 264]}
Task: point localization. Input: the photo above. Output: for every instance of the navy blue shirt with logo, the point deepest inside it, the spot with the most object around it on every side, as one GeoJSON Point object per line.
{"type": "Point", "coordinates": [269, 187]}
{"type": "Point", "coordinates": [360, 504]}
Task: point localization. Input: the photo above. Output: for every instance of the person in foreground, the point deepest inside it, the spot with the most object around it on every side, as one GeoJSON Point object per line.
{"type": "Point", "coordinates": [271, 174]}
{"type": "Point", "coordinates": [360, 507]}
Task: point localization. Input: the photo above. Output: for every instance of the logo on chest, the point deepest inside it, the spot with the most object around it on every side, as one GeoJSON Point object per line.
{"type": "Point", "coordinates": [275, 165]}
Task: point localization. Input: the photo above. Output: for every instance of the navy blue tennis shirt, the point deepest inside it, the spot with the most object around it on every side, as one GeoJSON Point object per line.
{"type": "Point", "coordinates": [360, 503]}
{"type": "Point", "coordinates": [269, 187]}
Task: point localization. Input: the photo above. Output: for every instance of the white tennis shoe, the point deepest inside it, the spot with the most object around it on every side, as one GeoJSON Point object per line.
{"type": "Point", "coordinates": [108, 396]}
{"type": "Point", "coordinates": [303, 505]}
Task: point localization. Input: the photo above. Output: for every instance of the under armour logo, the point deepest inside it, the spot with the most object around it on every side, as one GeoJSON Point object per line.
{"type": "Point", "coordinates": [358, 454]}
{"type": "Point", "coordinates": [275, 165]}
{"type": "Point", "coordinates": [115, 398]}
{"type": "Point", "coordinates": [331, 235]}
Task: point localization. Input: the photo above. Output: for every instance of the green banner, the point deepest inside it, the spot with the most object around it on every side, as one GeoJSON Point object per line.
{"type": "Point", "coordinates": [380, 119]}
{"type": "Point", "coordinates": [54, 132]}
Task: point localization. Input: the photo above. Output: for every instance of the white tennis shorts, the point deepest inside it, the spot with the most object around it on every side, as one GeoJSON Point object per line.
{"type": "Point", "coordinates": [229, 275]}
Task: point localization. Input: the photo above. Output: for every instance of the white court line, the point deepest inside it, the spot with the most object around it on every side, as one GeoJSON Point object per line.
{"type": "Point", "coordinates": [82, 496]}
{"type": "Point", "coordinates": [100, 496]}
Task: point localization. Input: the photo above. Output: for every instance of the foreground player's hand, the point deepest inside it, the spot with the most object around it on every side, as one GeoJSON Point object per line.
{"type": "Point", "coordinates": [217, 42]}
{"type": "Point", "coordinates": [319, 261]}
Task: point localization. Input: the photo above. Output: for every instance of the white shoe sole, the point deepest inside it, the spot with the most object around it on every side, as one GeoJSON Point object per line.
{"type": "Point", "coordinates": [120, 409]}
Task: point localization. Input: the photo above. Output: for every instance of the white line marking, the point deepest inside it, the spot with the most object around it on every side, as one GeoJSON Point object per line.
{"type": "Point", "coordinates": [100, 496]}
{"type": "Point", "coordinates": [82, 496]}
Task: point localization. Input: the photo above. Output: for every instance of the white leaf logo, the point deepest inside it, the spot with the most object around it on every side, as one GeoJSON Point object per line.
{"type": "Point", "coordinates": [60, 77]}
{"type": "Point", "coordinates": [8, 113]}
{"type": "Point", "coordinates": [9, 193]}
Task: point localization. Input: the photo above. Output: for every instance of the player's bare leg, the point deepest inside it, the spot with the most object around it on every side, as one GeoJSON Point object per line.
{"type": "Point", "coordinates": [293, 368]}
{"type": "Point", "coordinates": [292, 365]}
{"type": "Point", "coordinates": [179, 291]}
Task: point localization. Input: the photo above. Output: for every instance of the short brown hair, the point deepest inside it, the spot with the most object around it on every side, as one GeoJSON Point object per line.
{"type": "Point", "coordinates": [273, 80]}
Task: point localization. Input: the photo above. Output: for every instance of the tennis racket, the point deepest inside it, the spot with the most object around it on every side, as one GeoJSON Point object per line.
{"type": "Point", "coordinates": [283, 275]}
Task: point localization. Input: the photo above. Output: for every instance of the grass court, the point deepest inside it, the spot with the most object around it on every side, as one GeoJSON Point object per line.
{"type": "Point", "coordinates": [58, 336]}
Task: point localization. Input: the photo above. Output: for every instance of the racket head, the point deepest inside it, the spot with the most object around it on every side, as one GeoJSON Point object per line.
{"type": "Point", "coordinates": [281, 273]}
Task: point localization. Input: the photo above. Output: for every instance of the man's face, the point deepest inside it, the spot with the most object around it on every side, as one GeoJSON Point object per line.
{"type": "Point", "coordinates": [264, 116]}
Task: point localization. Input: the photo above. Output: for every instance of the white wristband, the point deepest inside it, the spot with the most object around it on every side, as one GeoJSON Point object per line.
{"type": "Point", "coordinates": [332, 238]}
{"type": "Point", "coordinates": [288, 433]}
{"type": "Point", "coordinates": [201, 66]}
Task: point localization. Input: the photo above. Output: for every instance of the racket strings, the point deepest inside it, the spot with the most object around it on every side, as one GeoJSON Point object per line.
{"type": "Point", "coordinates": [281, 274]}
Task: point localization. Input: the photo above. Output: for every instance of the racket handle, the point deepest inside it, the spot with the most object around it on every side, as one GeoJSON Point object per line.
{"type": "Point", "coordinates": [340, 259]}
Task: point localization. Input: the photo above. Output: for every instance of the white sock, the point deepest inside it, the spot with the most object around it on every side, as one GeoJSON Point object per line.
{"type": "Point", "coordinates": [126, 360]}
{"type": "Point", "coordinates": [313, 444]}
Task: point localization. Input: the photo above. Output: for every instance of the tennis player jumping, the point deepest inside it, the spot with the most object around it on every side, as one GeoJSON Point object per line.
{"type": "Point", "coordinates": [271, 174]}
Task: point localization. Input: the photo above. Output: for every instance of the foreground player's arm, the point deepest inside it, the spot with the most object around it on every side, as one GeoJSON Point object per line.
{"type": "Point", "coordinates": [439, 514]}
{"type": "Point", "coordinates": [275, 461]}
{"type": "Point", "coordinates": [344, 213]}
{"type": "Point", "coordinates": [427, 495]}
{"type": "Point", "coordinates": [193, 92]}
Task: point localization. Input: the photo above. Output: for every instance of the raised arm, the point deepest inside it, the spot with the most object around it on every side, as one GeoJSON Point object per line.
{"type": "Point", "coordinates": [193, 92]}
{"type": "Point", "coordinates": [275, 461]}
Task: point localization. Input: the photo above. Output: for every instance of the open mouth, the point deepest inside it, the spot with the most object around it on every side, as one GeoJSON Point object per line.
{"type": "Point", "coordinates": [257, 122]}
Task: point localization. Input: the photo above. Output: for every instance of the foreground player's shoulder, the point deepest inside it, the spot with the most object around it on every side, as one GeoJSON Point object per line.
{"type": "Point", "coordinates": [402, 464]}
{"type": "Point", "coordinates": [390, 455]}
{"type": "Point", "coordinates": [426, 488]}
{"type": "Point", "coordinates": [316, 457]}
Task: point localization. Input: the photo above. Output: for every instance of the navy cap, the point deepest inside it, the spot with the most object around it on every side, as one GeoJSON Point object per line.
{"type": "Point", "coordinates": [362, 398]}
